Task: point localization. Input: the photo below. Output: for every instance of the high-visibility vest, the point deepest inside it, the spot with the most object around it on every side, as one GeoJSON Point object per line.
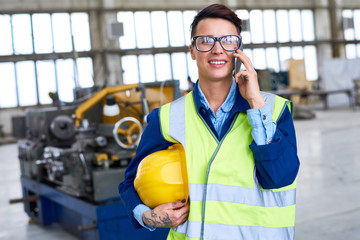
{"type": "Point", "coordinates": [226, 199]}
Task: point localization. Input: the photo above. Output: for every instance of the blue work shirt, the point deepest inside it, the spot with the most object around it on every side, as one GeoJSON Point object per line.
{"type": "Point", "coordinates": [263, 127]}
{"type": "Point", "coordinates": [276, 163]}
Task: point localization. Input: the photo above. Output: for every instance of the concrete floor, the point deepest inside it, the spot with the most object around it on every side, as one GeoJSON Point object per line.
{"type": "Point", "coordinates": [328, 196]}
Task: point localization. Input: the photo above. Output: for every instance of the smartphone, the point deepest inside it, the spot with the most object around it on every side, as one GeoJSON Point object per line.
{"type": "Point", "coordinates": [237, 61]}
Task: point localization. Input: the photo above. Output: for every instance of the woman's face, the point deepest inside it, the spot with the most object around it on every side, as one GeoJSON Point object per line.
{"type": "Point", "coordinates": [217, 64]}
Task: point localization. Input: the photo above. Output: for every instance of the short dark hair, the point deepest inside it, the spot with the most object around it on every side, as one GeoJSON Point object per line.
{"type": "Point", "coordinates": [216, 11]}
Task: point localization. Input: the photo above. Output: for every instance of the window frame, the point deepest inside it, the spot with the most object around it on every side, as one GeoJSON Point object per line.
{"type": "Point", "coordinates": [53, 56]}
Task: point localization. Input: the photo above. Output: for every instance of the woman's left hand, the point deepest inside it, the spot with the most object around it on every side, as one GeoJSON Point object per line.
{"type": "Point", "coordinates": [248, 82]}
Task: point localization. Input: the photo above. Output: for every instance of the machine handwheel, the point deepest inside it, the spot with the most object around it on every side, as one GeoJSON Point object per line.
{"type": "Point", "coordinates": [130, 128]}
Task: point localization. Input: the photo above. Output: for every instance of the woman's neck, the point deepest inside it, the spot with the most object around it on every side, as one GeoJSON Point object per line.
{"type": "Point", "coordinates": [215, 92]}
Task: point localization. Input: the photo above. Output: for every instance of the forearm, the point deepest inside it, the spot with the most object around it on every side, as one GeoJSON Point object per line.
{"type": "Point", "coordinates": [277, 163]}
{"type": "Point", "coordinates": [150, 218]}
{"type": "Point", "coordinates": [262, 124]}
{"type": "Point", "coordinates": [167, 215]}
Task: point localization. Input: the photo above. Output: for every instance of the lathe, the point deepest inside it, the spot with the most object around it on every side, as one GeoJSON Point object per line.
{"type": "Point", "coordinates": [72, 160]}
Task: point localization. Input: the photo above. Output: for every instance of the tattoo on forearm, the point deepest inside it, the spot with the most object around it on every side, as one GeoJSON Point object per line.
{"type": "Point", "coordinates": [153, 214]}
{"type": "Point", "coordinates": [156, 221]}
{"type": "Point", "coordinates": [149, 221]}
{"type": "Point", "coordinates": [166, 221]}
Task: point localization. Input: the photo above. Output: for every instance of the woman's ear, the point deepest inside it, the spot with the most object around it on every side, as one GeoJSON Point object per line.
{"type": "Point", "coordinates": [191, 48]}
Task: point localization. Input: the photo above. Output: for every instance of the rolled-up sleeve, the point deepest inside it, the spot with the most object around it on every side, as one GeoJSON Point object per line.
{"type": "Point", "coordinates": [277, 163]}
{"type": "Point", "coordinates": [262, 124]}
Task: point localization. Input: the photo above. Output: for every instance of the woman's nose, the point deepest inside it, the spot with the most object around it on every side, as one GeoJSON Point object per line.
{"type": "Point", "coordinates": [217, 47]}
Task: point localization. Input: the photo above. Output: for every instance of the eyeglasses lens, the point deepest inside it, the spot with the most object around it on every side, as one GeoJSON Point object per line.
{"type": "Point", "coordinates": [204, 43]}
{"type": "Point", "coordinates": [229, 43]}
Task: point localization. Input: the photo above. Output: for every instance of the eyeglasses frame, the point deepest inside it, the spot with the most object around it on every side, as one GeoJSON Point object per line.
{"type": "Point", "coordinates": [216, 39]}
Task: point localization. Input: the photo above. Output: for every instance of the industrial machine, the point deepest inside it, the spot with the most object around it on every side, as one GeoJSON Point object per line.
{"type": "Point", "coordinates": [74, 158]}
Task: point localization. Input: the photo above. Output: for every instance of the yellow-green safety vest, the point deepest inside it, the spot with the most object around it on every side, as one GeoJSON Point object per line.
{"type": "Point", "coordinates": [226, 199]}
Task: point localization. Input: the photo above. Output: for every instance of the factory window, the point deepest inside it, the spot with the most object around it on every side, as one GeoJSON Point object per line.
{"type": "Point", "coordinates": [65, 72]}
{"type": "Point", "coordinates": [143, 30]}
{"type": "Point", "coordinates": [188, 19]}
{"type": "Point", "coordinates": [176, 28]}
{"type": "Point", "coordinates": [310, 62]}
{"type": "Point", "coordinates": [179, 68]}
{"type": "Point", "coordinates": [62, 32]}
{"type": "Point", "coordinates": [162, 66]}
{"type": "Point", "coordinates": [269, 26]}
{"type": "Point", "coordinates": [46, 80]}
{"type": "Point", "coordinates": [147, 70]}
{"type": "Point", "coordinates": [295, 26]}
{"type": "Point", "coordinates": [283, 27]}
{"type": "Point", "coordinates": [130, 69]}
{"type": "Point", "coordinates": [31, 43]}
{"type": "Point", "coordinates": [156, 29]}
{"type": "Point", "coordinates": [26, 83]}
{"type": "Point", "coordinates": [6, 39]}
{"type": "Point", "coordinates": [351, 26]}
{"type": "Point", "coordinates": [193, 70]}
{"type": "Point", "coordinates": [80, 30]}
{"type": "Point", "coordinates": [256, 26]}
{"type": "Point", "coordinates": [8, 93]}
{"type": "Point", "coordinates": [85, 74]}
{"type": "Point", "coordinates": [21, 29]}
{"type": "Point", "coordinates": [307, 21]}
{"type": "Point", "coordinates": [171, 29]}
{"type": "Point", "coordinates": [128, 41]}
{"type": "Point", "coordinates": [42, 33]}
{"type": "Point", "coordinates": [160, 29]}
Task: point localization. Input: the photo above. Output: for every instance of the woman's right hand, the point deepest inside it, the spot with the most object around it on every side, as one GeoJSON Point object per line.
{"type": "Point", "coordinates": [167, 215]}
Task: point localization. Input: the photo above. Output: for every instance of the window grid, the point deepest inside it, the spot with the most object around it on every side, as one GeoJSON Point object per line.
{"type": "Point", "coordinates": [16, 86]}
{"type": "Point", "coordinates": [32, 53]}
{"type": "Point", "coordinates": [13, 50]}
{"type": "Point", "coordinates": [170, 59]}
{"type": "Point", "coordinates": [75, 69]}
{"type": "Point", "coordinates": [351, 32]}
{"type": "Point", "coordinates": [296, 52]}
{"type": "Point", "coordinates": [253, 45]}
{"type": "Point", "coordinates": [34, 63]}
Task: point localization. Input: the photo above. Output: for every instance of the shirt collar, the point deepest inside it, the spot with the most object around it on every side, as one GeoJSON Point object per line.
{"type": "Point", "coordinates": [239, 104]}
{"type": "Point", "coordinates": [230, 99]}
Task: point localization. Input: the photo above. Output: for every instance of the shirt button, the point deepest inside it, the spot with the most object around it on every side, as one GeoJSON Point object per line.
{"type": "Point", "coordinates": [264, 117]}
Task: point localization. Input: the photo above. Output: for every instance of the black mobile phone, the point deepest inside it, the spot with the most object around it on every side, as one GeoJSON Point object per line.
{"type": "Point", "coordinates": [237, 61]}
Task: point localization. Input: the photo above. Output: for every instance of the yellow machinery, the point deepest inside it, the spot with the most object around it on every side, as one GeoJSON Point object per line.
{"type": "Point", "coordinates": [71, 162]}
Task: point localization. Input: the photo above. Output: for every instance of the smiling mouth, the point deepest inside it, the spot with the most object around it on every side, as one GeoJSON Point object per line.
{"type": "Point", "coordinates": [217, 62]}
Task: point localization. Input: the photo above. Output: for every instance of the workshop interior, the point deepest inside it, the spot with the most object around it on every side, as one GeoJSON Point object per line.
{"type": "Point", "coordinates": [79, 78]}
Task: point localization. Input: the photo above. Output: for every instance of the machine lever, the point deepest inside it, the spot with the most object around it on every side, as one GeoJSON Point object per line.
{"type": "Point", "coordinates": [32, 198]}
{"type": "Point", "coordinates": [87, 227]}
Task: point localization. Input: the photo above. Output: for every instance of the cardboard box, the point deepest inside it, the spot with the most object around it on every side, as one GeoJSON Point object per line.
{"type": "Point", "coordinates": [297, 75]}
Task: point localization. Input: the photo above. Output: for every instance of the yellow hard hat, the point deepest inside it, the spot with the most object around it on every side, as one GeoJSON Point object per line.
{"type": "Point", "coordinates": [162, 177]}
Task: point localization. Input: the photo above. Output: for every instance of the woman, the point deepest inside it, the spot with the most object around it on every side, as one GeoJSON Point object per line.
{"type": "Point", "coordinates": [240, 146]}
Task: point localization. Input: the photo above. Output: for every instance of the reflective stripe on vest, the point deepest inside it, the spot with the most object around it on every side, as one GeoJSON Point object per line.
{"type": "Point", "coordinates": [177, 120]}
{"type": "Point", "coordinates": [224, 207]}
{"type": "Point", "coordinates": [254, 197]}
{"type": "Point", "coordinates": [191, 230]}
